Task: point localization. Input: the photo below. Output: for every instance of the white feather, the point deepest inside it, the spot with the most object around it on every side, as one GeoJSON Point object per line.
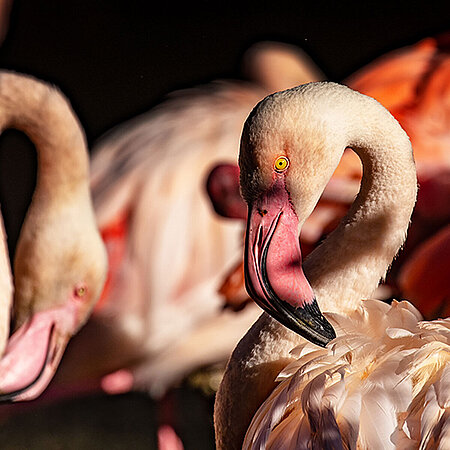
{"type": "Point", "coordinates": [378, 419]}
{"type": "Point", "coordinates": [442, 387]}
{"type": "Point", "coordinates": [430, 417]}
{"type": "Point", "coordinates": [444, 437]}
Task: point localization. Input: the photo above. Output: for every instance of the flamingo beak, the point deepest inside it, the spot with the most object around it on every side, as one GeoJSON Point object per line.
{"type": "Point", "coordinates": [31, 357]}
{"type": "Point", "coordinates": [273, 273]}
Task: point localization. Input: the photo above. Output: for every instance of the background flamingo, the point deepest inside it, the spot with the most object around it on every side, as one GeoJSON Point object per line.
{"type": "Point", "coordinates": [60, 262]}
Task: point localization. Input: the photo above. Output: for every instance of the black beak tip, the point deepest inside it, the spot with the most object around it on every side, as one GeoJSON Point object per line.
{"type": "Point", "coordinates": [8, 398]}
{"type": "Point", "coordinates": [320, 322]}
{"type": "Point", "coordinates": [308, 322]}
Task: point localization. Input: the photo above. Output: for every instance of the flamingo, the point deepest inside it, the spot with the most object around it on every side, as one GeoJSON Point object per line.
{"type": "Point", "coordinates": [160, 316]}
{"type": "Point", "coordinates": [385, 366]}
{"type": "Point", "coordinates": [412, 83]}
{"type": "Point", "coordinates": [60, 262]}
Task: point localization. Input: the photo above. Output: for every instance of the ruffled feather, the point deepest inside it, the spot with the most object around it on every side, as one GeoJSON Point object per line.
{"type": "Point", "coordinates": [384, 382]}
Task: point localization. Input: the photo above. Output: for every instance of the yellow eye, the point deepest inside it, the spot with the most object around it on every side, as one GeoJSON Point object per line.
{"type": "Point", "coordinates": [80, 291]}
{"type": "Point", "coordinates": [281, 164]}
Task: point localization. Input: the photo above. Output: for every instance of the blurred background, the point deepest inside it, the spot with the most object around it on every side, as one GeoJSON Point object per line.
{"type": "Point", "coordinates": [117, 59]}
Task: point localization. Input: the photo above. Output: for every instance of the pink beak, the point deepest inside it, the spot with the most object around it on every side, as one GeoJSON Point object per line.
{"type": "Point", "coordinates": [32, 356]}
{"type": "Point", "coordinates": [273, 272]}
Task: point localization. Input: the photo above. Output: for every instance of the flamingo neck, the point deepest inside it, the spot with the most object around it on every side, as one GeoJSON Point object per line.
{"type": "Point", "coordinates": [353, 260]}
{"type": "Point", "coordinates": [350, 263]}
{"type": "Point", "coordinates": [36, 110]}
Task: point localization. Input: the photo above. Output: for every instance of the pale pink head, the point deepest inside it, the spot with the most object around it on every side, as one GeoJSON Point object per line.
{"type": "Point", "coordinates": [60, 263]}
{"type": "Point", "coordinates": [282, 176]}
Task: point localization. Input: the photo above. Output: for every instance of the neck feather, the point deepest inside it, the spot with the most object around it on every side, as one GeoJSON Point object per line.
{"type": "Point", "coordinates": [349, 265]}
{"type": "Point", "coordinates": [42, 113]}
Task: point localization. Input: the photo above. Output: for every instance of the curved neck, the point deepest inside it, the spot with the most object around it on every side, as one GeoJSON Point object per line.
{"type": "Point", "coordinates": [35, 109]}
{"type": "Point", "coordinates": [349, 265]}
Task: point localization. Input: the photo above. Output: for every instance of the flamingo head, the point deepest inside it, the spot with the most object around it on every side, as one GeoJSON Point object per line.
{"type": "Point", "coordinates": [282, 176]}
{"type": "Point", "coordinates": [59, 274]}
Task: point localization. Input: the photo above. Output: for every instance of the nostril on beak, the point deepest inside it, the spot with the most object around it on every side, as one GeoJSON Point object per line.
{"type": "Point", "coordinates": [262, 212]}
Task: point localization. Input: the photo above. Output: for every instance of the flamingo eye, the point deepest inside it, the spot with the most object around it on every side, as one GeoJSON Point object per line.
{"type": "Point", "coordinates": [281, 164]}
{"type": "Point", "coordinates": [80, 291]}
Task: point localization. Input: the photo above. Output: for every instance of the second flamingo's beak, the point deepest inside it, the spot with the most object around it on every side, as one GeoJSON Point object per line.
{"type": "Point", "coordinates": [32, 356]}
{"type": "Point", "coordinates": [273, 272]}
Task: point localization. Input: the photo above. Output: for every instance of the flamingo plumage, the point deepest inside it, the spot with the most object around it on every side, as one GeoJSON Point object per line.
{"type": "Point", "coordinates": [383, 383]}
{"type": "Point", "coordinates": [60, 262]}
{"type": "Point", "coordinates": [333, 392]}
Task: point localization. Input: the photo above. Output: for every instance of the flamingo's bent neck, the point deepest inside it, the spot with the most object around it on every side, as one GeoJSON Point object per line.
{"type": "Point", "coordinates": [61, 166]}
{"type": "Point", "coordinates": [349, 265]}
{"type": "Point", "coordinates": [60, 261]}
{"type": "Point", "coordinates": [312, 125]}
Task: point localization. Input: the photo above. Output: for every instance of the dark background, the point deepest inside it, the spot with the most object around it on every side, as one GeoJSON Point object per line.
{"type": "Point", "coordinates": [116, 59]}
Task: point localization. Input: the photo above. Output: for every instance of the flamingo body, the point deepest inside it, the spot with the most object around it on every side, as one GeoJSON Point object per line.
{"type": "Point", "coordinates": [386, 367]}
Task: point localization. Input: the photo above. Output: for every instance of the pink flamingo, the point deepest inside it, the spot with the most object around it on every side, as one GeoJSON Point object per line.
{"type": "Point", "coordinates": [60, 262]}
{"type": "Point", "coordinates": [381, 365]}
{"type": "Point", "coordinates": [161, 316]}
{"type": "Point", "coordinates": [413, 84]}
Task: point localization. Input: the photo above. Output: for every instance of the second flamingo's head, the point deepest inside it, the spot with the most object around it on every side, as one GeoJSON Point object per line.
{"type": "Point", "coordinates": [60, 263]}
{"type": "Point", "coordinates": [60, 269]}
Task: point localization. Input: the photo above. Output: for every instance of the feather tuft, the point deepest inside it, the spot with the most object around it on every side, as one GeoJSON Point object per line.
{"type": "Point", "coordinates": [394, 374]}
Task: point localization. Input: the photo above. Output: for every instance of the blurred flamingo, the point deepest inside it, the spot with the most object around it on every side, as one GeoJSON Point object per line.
{"type": "Point", "coordinates": [60, 262]}
{"type": "Point", "coordinates": [160, 315]}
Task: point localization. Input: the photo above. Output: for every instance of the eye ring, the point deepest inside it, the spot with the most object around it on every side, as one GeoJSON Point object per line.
{"type": "Point", "coordinates": [80, 291]}
{"type": "Point", "coordinates": [281, 164]}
